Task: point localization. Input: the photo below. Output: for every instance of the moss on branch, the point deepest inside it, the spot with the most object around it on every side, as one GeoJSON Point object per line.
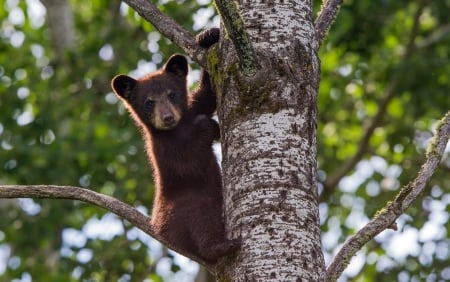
{"type": "Point", "coordinates": [234, 25]}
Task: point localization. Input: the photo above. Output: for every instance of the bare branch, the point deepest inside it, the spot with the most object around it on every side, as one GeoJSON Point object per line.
{"type": "Point", "coordinates": [408, 194]}
{"type": "Point", "coordinates": [231, 18]}
{"type": "Point", "coordinates": [234, 24]}
{"type": "Point", "coordinates": [109, 203]}
{"type": "Point", "coordinates": [77, 193]}
{"type": "Point", "coordinates": [389, 93]}
{"type": "Point", "coordinates": [170, 29]}
{"type": "Point", "coordinates": [434, 37]}
{"type": "Point", "coordinates": [325, 18]}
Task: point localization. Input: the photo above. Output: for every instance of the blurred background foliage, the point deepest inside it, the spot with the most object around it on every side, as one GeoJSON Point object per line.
{"type": "Point", "coordinates": [385, 83]}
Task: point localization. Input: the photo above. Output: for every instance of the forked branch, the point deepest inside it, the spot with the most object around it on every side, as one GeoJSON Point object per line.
{"type": "Point", "coordinates": [169, 28]}
{"type": "Point", "coordinates": [408, 194]}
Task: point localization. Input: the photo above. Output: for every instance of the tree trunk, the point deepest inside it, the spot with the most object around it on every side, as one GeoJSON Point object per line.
{"type": "Point", "coordinates": [61, 25]}
{"type": "Point", "coordinates": [268, 124]}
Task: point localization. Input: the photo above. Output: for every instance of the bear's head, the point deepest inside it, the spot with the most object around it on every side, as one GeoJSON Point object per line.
{"type": "Point", "coordinates": [159, 99]}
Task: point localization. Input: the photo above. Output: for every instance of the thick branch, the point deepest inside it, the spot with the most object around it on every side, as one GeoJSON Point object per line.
{"type": "Point", "coordinates": [111, 204]}
{"type": "Point", "coordinates": [170, 29]}
{"type": "Point", "coordinates": [76, 193]}
{"type": "Point", "coordinates": [407, 195]}
{"type": "Point", "coordinates": [234, 24]}
{"type": "Point", "coordinates": [389, 93]}
{"type": "Point", "coordinates": [325, 18]}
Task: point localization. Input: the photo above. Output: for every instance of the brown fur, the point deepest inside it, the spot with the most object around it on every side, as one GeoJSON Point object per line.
{"type": "Point", "coordinates": [179, 133]}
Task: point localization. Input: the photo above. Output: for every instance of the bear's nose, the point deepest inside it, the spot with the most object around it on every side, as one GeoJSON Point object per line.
{"type": "Point", "coordinates": [168, 119]}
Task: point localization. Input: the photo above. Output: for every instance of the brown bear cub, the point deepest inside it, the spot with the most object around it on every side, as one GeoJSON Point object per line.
{"type": "Point", "coordinates": [179, 132]}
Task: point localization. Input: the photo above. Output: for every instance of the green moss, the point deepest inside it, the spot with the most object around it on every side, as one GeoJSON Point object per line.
{"type": "Point", "coordinates": [432, 150]}
{"type": "Point", "coordinates": [382, 211]}
{"type": "Point", "coordinates": [213, 59]}
{"type": "Point", "coordinates": [255, 93]}
{"type": "Point", "coordinates": [223, 278]}
{"type": "Point", "coordinates": [234, 24]}
{"type": "Point", "coordinates": [404, 192]}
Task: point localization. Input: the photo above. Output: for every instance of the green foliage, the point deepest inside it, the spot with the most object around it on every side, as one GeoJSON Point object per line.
{"type": "Point", "coordinates": [363, 59]}
{"type": "Point", "coordinates": [60, 124]}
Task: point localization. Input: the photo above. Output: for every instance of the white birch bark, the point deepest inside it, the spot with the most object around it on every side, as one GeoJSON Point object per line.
{"type": "Point", "coordinates": [268, 124]}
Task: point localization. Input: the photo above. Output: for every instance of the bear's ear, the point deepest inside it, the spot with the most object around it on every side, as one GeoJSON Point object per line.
{"type": "Point", "coordinates": [123, 85]}
{"type": "Point", "coordinates": [178, 65]}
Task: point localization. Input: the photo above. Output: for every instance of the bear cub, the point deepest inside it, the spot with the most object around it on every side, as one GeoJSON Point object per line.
{"type": "Point", "coordinates": [179, 132]}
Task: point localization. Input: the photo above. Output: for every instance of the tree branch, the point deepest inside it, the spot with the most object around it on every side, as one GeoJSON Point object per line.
{"type": "Point", "coordinates": [389, 93]}
{"type": "Point", "coordinates": [408, 194]}
{"type": "Point", "coordinates": [109, 203]}
{"type": "Point", "coordinates": [437, 35]}
{"type": "Point", "coordinates": [234, 24]}
{"type": "Point", "coordinates": [325, 18]}
{"type": "Point", "coordinates": [170, 29]}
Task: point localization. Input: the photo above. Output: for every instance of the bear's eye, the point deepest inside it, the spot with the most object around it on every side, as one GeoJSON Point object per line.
{"type": "Point", "coordinates": [149, 104]}
{"type": "Point", "coordinates": [172, 96]}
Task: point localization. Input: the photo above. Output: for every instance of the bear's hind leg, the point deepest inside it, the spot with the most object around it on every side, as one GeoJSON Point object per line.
{"type": "Point", "coordinates": [209, 235]}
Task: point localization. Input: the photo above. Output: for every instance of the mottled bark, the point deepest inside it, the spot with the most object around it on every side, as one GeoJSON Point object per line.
{"type": "Point", "coordinates": [268, 124]}
{"type": "Point", "coordinates": [327, 15]}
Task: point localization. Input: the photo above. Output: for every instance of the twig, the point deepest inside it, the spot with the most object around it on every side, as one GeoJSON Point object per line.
{"type": "Point", "coordinates": [390, 91]}
{"type": "Point", "coordinates": [234, 24]}
{"type": "Point", "coordinates": [434, 37]}
{"type": "Point", "coordinates": [170, 29]}
{"type": "Point", "coordinates": [408, 194]}
{"type": "Point", "coordinates": [325, 18]}
{"type": "Point", "coordinates": [111, 204]}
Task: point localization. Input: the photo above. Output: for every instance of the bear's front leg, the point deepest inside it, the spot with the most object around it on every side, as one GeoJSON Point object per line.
{"type": "Point", "coordinates": [207, 128]}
